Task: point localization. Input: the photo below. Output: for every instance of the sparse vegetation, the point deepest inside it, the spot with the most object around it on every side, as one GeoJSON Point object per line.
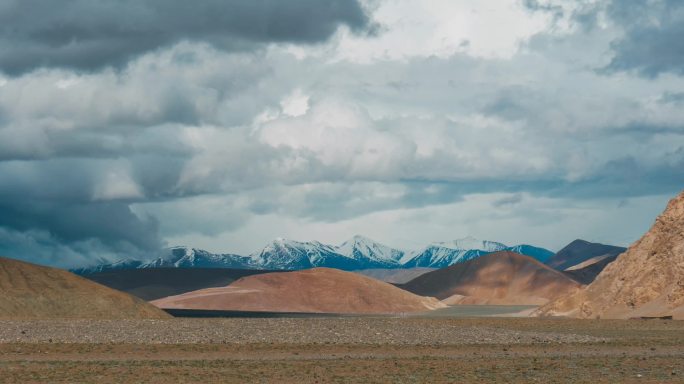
{"type": "Point", "coordinates": [308, 351]}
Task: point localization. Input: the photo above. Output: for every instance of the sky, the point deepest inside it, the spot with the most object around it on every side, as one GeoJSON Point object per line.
{"type": "Point", "coordinates": [127, 126]}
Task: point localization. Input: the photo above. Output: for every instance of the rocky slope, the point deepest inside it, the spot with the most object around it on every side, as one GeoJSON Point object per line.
{"type": "Point", "coordinates": [645, 281]}
{"type": "Point", "coordinates": [34, 292]}
{"type": "Point", "coordinates": [318, 290]}
{"type": "Point", "coordinates": [504, 277]}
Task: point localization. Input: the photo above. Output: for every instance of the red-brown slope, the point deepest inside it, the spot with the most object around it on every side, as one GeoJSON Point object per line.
{"type": "Point", "coordinates": [30, 291]}
{"type": "Point", "coordinates": [318, 290]}
{"type": "Point", "coordinates": [497, 278]}
{"type": "Point", "coordinates": [646, 280]}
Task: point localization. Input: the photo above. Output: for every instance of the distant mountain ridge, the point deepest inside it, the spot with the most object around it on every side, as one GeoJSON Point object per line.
{"type": "Point", "coordinates": [440, 255]}
{"type": "Point", "coordinates": [175, 257]}
{"type": "Point", "coordinates": [580, 251]}
{"type": "Point", "coordinates": [354, 254]}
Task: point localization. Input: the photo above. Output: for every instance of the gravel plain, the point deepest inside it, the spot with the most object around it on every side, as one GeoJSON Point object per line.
{"type": "Point", "coordinates": [342, 350]}
{"type": "Point", "coordinates": [386, 331]}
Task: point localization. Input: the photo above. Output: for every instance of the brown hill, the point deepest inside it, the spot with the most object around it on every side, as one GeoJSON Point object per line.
{"type": "Point", "coordinates": [155, 283]}
{"type": "Point", "coordinates": [505, 278]}
{"type": "Point", "coordinates": [645, 281]}
{"type": "Point", "coordinates": [318, 290]}
{"type": "Point", "coordinates": [579, 251]}
{"type": "Point", "coordinates": [31, 291]}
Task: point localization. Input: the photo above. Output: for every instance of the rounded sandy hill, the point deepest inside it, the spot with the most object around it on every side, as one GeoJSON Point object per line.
{"type": "Point", "coordinates": [318, 290]}
{"type": "Point", "coordinates": [645, 281]}
{"type": "Point", "coordinates": [499, 278]}
{"type": "Point", "coordinates": [31, 291]}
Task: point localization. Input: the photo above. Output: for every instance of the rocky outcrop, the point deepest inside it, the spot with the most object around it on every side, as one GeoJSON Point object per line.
{"type": "Point", "coordinates": [645, 281]}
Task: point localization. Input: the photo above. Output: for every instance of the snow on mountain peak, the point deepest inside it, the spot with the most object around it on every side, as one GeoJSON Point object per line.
{"type": "Point", "coordinates": [359, 252]}
{"type": "Point", "coordinates": [361, 247]}
{"type": "Point", "coordinates": [472, 243]}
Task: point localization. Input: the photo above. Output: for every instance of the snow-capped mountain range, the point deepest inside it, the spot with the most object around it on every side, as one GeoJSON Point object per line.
{"type": "Point", "coordinates": [356, 253]}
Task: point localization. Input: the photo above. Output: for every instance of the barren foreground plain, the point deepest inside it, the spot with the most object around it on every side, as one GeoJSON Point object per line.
{"type": "Point", "coordinates": [342, 350]}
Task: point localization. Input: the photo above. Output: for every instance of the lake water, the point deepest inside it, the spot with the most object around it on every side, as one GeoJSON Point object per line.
{"type": "Point", "coordinates": [453, 311]}
{"type": "Point", "coordinates": [474, 311]}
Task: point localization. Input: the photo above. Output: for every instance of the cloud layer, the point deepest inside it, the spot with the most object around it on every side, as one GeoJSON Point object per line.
{"type": "Point", "coordinates": [228, 124]}
{"type": "Point", "coordinates": [653, 42]}
{"type": "Point", "coordinates": [83, 34]}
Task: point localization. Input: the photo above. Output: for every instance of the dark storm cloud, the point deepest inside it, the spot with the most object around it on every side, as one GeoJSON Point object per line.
{"type": "Point", "coordinates": [86, 34]}
{"type": "Point", "coordinates": [652, 42]}
{"type": "Point", "coordinates": [654, 37]}
{"type": "Point", "coordinates": [113, 223]}
{"type": "Point", "coordinates": [50, 213]}
{"type": "Point", "coordinates": [81, 150]}
{"type": "Point", "coordinates": [56, 197]}
{"type": "Point", "coordinates": [629, 176]}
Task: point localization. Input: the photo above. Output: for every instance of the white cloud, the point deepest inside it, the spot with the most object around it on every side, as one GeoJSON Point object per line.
{"type": "Point", "coordinates": [116, 184]}
{"type": "Point", "coordinates": [441, 28]}
{"type": "Point", "coordinates": [66, 83]}
{"type": "Point", "coordinates": [296, 104]}
{"type": "Point", "coordinates": [340, 135]}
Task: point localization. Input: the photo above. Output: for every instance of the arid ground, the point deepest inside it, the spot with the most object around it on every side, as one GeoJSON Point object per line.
{"type": "Point", "coordinates": [330, 350]}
